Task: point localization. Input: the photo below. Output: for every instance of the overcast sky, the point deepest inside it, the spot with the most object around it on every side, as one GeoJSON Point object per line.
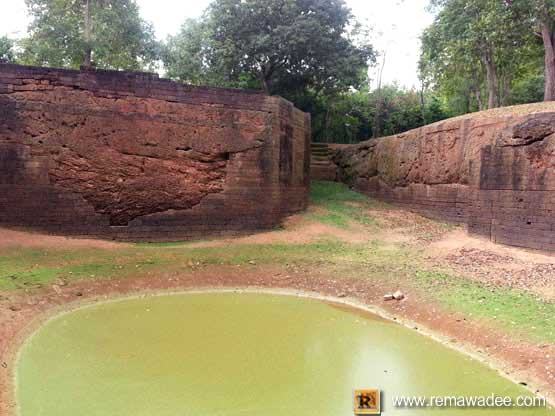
{"type": "Point", "coordinates": [396, 26]}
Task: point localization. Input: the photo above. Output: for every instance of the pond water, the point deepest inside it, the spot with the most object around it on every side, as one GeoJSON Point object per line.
{"type": "Point", "coordinates": [225, 354]}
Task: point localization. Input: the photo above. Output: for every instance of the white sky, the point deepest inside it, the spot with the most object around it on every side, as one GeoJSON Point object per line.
{"type": "Point", "coordinates": [396, 25]}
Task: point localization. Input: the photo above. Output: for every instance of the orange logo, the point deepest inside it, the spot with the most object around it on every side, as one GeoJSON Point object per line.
{"type": "Point", "coordinates": [367, 402]}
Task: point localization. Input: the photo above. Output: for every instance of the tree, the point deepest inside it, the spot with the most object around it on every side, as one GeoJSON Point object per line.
{"type": "Point", "coordinates": [545, 16]}
{"type": "Point", "coordinates": [540, 17]}
{"type": "Point", "coordinates": [286, 46]}
{"type": "Point", "coordinates": [377, 130]}
{"type": "Point", "coordinates": [457, 78]}
{"type": "Point", "coordinates": [6, 50]}
{"type": "Point", "coordinates": [474, 37]}
{"type": "Point", "coordinates": [349, 117]}
{"type": "Point", "coordinates": [185, 55]}
{"type": "Point", "coordinates": [71, 33]}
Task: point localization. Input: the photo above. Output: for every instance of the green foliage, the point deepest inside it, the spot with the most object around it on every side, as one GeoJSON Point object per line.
{"type": "Point", "coordinates": [289, 45]}
{"type": "Point", "coordinates": [516, 311]}
{"type": "Point", "coordinates": [324, 192]}
{"type": "Point", "coordinates": [311, 52]}
{"type": "Point", "coordinates": [343, 118]}
{"type": "Point", "coordinates": [339, 206]}
{"type": "Point", "coordinates": [476, 52]}
{"type": "Point", "coordinates": [120, 38]}
{"type": "Point", "coordinates": [286, 47]}
{"type": "Point", "coordinates": [349, 117]}
{"type": "Point", "coordinates": [480, 54]}
{"type": "Point", "coordinates": [183, 54]}
{"type": "Point", "coordinates": [528, 89]}
{"type": "Point", "coordinates": [7, 53]}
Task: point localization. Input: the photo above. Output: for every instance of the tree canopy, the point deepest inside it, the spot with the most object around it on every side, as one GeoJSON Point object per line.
{"type": "Point", "coordinates": [477, 54]}
{"type": "Point", "coordinates": [119, 37]}
{"type": "Point", "coordinates": [283, 46]}
{"type": "Point", "coordinates": [351, 116]}
{"type": "Point", "coordinates": [312, 52]}
{"type": "Point", "coordinates": [477, 46]}
{"type": "Point", "coordinates": [184, 55]}
{"type": "Point", "coordinates": [7, 53]}
{"type": "Point", "coordinates": [539, 17]}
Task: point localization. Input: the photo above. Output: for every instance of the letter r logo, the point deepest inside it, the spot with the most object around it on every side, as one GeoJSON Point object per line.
{"type": "Point", "coordinates": [367, 402]}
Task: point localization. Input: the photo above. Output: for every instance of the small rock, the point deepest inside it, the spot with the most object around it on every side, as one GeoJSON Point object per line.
{"type": "Point", "coordinates": [57, 289]}
{"type": "Point", "coordinates": [4, 365]}
{"type": "Point", "coordinates": [61, 282]}
{"type": "Point", "coordinates": [523, 383]}
{"type": "Point", "coordinates": [252, 262]}
{"type": "Point", "coordinates": [342, 295]}
{"type": "Point", "coordinates": [78, 293]}
{"type": "Point", "coordinates": [389, 296]}
{"type": "Point", "coordinates": [398, 295]}
{"type": "Point", "coordinates": [14, 308]}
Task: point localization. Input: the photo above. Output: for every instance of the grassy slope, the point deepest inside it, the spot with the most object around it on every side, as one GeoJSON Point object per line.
{"type": "Point", "coordinates": [334, 204]}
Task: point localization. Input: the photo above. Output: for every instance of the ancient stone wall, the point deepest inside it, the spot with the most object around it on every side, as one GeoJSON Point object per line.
{"type": "Point", "coordinates": [494, 171]}
{"type": "Point", "coordinates": [131, 156]}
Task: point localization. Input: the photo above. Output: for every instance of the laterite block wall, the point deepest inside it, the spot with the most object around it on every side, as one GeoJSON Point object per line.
{"type": "Point", "coordinates": [494, 171]}
{"type": "Point", "coordinates": [134, 157]}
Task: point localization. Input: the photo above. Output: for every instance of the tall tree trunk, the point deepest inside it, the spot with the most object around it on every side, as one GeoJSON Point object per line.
{"type": "Point", "coordinates": [422, 103]}
{"type": "Point", "coordinates": [327, 124]}
{"type": "Point", "coordinates": [505, 94]}
{"type": "Point", "coordinates": [548, 37]}
{"type": "Point", "coordinates": [478, 94]}
{"type": "Point", "coordinates": [265, 85]}
{"type": "Point", "coordinates": [87, 58]}
{"type": "Point", "coordinates": [378, 117]}
{"type": "Point", "coordinates": [492, 80]}
{"type": "Point", "coordinates": [265, 75]}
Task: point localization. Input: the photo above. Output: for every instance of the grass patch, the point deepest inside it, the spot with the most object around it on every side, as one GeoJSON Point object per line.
{"type": "Point", "coordinates": [340, 206]}
{"type": "Point", "coordinates": [514, 310]}
{"type": "Point", "coordinates": [322, 192]}
{"type": "Point", "coordinates": [79, 264]}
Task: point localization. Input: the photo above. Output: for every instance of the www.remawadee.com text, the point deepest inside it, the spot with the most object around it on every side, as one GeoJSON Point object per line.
{"type": "Point", "coordinates": [492, 400]}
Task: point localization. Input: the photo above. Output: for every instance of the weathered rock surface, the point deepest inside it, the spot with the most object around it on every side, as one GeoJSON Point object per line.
{"type": "Point", "coordinates": [494, 171]}
{"type": "Point", "coordinates": [82, 152]}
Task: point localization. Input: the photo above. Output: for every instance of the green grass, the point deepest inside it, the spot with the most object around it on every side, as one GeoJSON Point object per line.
{"type": "Point", "coordinates": [335, 204]}
{"type": "Point", "coordinates": [340, 206]}
{"type": "Point", "coordinates": [514, 310]}
{"type": "Point", "coordinates": [48, 265]}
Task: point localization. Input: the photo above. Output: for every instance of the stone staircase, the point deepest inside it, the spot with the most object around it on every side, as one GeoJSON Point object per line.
{"type": "Point", "coordinates": [322, 167]}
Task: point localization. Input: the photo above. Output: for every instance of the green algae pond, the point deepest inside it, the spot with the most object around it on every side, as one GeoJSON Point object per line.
{"type": "Point", "coordinates": [227, 354]}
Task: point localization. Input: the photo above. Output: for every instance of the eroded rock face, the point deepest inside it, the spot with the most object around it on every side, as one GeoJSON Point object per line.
{"type": "Point", "coordinates": [135, 156]}
{"type": "Point", "coordinates": [129, 149]}
{"type": "Point", "coordinates": [493, 171]}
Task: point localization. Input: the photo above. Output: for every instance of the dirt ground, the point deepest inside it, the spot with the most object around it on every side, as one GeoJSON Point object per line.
{"type": "Point", "coordinates": [495, 265]}
{"type": "Point", "coordinates": [14, 238]}
{"type": "Point", "coordinates": [444, 248]}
